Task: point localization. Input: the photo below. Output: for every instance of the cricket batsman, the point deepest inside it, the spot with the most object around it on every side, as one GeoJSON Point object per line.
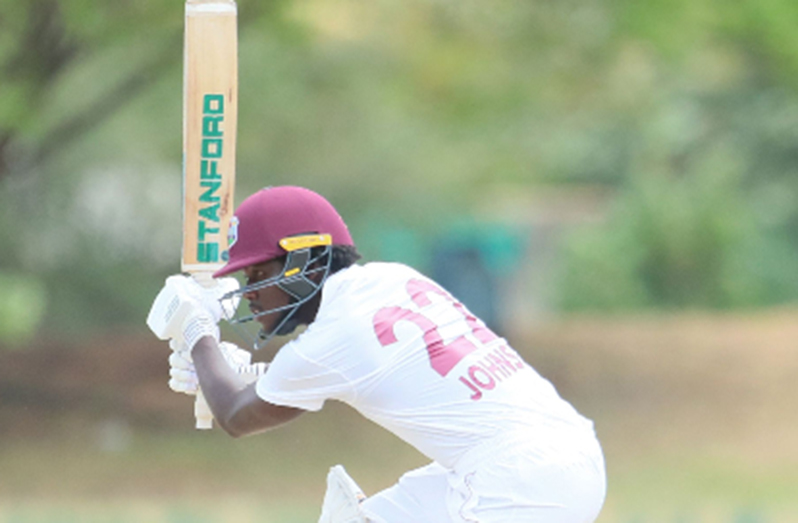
{"type": "Point", "coordinates": [398, 348]}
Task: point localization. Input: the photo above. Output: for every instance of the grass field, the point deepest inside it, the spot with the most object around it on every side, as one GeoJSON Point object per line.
{"type": "Point", "coordinates": [698, 417]}
{"type": "Point", "coordinates": [210, 479]}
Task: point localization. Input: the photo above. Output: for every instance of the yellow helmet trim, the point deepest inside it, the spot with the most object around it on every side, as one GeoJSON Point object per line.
{"type": "Point", "coordinates": [295, 243]}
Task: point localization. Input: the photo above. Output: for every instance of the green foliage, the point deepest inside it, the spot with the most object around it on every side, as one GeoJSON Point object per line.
{"type": "Point", "coordinates": [406, 115]}
{"type": "Point", "coordinates": [678, 241]}
{"type": "Point", "coordinates": [702, 218]}
{"type": "Point", "coordinates": [22, 305]}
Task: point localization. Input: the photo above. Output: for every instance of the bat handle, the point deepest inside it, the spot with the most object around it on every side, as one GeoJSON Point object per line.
{"type": "Point", "coordinates": [202, 413]}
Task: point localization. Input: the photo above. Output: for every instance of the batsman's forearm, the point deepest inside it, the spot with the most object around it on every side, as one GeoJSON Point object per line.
{"type": "Point", "coordinates": [219, 383]}
{"type": "Point", "coordinates": [234, 403]}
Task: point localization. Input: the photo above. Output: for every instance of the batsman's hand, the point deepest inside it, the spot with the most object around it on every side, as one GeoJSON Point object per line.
{"type": "Point", "coordinates": [197, 324]}
{"type": "Point", "coordinates": [181, 295]}
{"type": "Point", "coordinates": [183, 375]}
{"type": "Point", "coordinates": [210, 298]}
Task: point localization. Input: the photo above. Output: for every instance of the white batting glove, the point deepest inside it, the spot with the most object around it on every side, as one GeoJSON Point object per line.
{"type": "Point", "coordinates": [177, 345]}
{"type": "Point", "coordinates": [208, 297]}
{"type": "Point", "coordinates": [183, 375]}
{"type": "Point", "coordinates": [240, 361]}
{"type": "Point", "coordinates": [198, 324]}
{"type": "Point", "coordinates": [181, 295]}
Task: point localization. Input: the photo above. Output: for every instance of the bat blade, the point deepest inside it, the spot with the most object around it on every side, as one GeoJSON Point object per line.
{"type": "Point", "coordinates": [210, 119]}
{"type": "Point", "coordinates": [210, 115]}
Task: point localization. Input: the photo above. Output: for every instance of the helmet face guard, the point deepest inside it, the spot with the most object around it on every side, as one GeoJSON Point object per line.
{"type": "Point", "coordinates": [295, 280]}
{"type": "Point", "coordinates": [283, 221]}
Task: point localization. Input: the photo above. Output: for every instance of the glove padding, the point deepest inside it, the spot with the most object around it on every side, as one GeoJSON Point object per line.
{"type": "Point", "coordinates": [183, 375]}
{"type": "Point", "coordinates": [197, 325]}
{"type": "Point", "coordinates": [210, 298]}
{"type": "Point", "coordinates": [182, 295]}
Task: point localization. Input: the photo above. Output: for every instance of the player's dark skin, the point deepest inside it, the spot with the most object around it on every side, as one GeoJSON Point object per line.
{"type": "Point", "coordinates": [235, 405]}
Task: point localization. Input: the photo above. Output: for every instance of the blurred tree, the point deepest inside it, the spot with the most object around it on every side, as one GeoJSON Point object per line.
{"type": "Point", "coordinates": [67, 70]}
{"type": "Point", "coordinates": [408, 111]}
{"type": "Point", "coordinates": [21, 308]}
{"type": "Point", "coordinates": [42, 40]}
{"type": "Point", "coordinates": [692, 124]}
{"type": "Point", "coordinates": [702, 220]}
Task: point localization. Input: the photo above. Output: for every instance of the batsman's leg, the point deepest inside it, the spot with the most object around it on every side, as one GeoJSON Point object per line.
{"type": "Point", "coordinates": [342, 499]}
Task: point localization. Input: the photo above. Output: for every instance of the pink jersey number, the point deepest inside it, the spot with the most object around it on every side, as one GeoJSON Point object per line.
{"type": "Point", "coordinates": [442, 356]}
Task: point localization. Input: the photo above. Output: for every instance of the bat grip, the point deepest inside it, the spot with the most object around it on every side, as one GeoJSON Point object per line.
{"type": "Point", "coordinates": [202, 413]}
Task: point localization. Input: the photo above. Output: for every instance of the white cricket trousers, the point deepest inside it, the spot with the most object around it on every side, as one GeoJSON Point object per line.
{"type": "Point", "coordinates": [510, 481]}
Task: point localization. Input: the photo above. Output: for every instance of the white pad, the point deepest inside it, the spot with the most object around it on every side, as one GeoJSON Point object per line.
{"type": "Point", "coordinates": [342, 499]}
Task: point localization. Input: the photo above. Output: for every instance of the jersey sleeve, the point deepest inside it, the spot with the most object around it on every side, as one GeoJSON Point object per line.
{"type": "Point", "coordinates": [296, 379]}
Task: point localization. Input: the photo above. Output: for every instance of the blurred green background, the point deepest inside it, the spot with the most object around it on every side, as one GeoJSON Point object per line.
{"type": "Point", "coordinates": [612, 185]}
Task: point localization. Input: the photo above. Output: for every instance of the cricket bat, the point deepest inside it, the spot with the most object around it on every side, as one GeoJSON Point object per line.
{"type": "Point", "coordinates": [210, 115]}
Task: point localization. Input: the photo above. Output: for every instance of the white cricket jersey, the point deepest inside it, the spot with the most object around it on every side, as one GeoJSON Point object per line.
{"type": "Point", "coordinates": [402, 351]}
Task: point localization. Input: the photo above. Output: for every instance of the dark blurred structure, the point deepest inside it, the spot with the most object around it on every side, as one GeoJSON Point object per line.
{"type": "Point", "coordinates": [462, 271]}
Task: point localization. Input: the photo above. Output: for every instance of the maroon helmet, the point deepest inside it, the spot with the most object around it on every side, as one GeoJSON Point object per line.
{"type": "Point", "coordinates": [284, 221]}
{"type": "Point", "coordinates": [274, 214]}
